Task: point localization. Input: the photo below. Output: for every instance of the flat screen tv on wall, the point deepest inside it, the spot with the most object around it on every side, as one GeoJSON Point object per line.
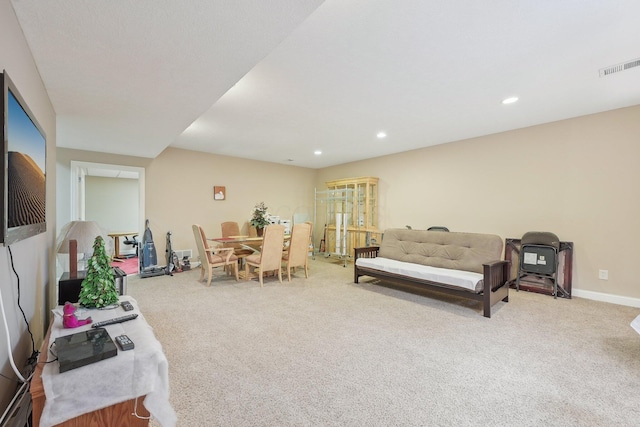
{"type": "Point", "coordinates": [23, 180]}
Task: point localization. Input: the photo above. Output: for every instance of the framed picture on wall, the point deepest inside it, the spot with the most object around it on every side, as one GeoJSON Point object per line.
{"type": "Point", "coordinates": [219, 193]}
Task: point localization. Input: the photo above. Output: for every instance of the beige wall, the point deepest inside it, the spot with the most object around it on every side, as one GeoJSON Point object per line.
{"type": "Point", "coordinates": [66, 155]}
{"type": "Point", "coordinates": [577, 178]}
{"type": "Point", "coordinates": [179, 193]}
{"type": "Point", "coordinates": [32, 257]}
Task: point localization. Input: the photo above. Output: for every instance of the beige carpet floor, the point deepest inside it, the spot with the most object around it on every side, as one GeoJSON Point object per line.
{"type": "Point", "coordinates": [324, 351]}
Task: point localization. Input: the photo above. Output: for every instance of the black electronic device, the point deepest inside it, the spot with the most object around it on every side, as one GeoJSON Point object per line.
{"type": "Point", "coordinates": [124, 342]}
{"type": "Point", "coordinates": [84, 348]}
{"type": "Point", "coordinates": [120, 319]}
{"type": "Point", "coordinates": [126, 305]}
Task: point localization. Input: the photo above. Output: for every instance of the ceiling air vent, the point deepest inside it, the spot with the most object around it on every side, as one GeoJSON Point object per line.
{"type": "Point", "coordinates": [620, 67]}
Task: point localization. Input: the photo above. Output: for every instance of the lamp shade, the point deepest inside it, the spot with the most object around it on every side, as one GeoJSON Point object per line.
{"type": "Point", "coordinates": [83, 232]}
{"type": "Point", "coordinates": [78, 237]}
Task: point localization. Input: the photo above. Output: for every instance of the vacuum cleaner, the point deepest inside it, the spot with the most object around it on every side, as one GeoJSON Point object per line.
{"type": "Point", "coordinates": [149, 258]}
{"type": "Point", "coordinates": [173, 263]}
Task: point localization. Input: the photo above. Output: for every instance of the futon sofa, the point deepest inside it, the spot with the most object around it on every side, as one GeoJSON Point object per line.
{"type": "Point", "coordinates": [467, 265]}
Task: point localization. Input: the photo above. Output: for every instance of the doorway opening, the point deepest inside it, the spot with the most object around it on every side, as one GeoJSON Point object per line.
{"type": "Point", "coordinates": [114, 197]}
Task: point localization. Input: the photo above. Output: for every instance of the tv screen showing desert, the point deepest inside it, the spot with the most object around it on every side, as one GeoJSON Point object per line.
{"type": "Point", "coordinates": [26, 169]}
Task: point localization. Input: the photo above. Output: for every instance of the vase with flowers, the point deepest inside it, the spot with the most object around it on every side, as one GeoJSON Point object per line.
{"type": "Point", "coordinates": [259, 217]}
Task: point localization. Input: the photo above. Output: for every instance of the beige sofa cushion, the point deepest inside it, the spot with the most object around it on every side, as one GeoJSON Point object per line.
{"type": "Point", "coordinates": [456, 251]}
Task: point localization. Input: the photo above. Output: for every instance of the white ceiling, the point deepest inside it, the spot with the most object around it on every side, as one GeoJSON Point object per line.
{"type": "Point", "coordinates": [275, 80]}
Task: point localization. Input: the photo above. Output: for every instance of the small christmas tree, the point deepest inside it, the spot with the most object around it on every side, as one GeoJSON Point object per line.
{"type": "Point", "coordinates": [99, 287]}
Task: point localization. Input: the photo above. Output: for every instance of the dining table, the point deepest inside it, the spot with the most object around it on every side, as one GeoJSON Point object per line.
{"type": "Point", "coordinates": [246, 242]}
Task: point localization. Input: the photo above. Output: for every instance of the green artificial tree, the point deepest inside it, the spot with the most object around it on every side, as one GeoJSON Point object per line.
{"type": "Point", "coordinates": [99, 287]}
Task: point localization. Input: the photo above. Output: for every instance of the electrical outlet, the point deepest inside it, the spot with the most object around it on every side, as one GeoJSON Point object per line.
{"type": "Point", "coordinates": [603, 274]}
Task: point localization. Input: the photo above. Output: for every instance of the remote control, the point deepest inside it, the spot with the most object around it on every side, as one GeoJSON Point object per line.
{"type": "Point", "coordinates": [126, 305]}
{"type": "Point", "coordinates": [114, 320]}
{"type": "Point", "coordinates": [124, 342]}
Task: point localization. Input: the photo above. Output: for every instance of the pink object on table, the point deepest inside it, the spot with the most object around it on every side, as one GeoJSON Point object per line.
{"type": "Point", "coordinates": [69, 319]}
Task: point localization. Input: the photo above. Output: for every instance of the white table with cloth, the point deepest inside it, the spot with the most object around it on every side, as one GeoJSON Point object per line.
{"type": "Point", "coordinates": [142, 371]}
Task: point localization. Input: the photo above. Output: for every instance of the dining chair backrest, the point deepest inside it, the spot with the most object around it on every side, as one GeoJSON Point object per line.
{"type": "Point", "coordinates": [209, 256]}
{"type": "Point", "coordinates": [230, 228]}
{"type": "Point", "coordinates": [311, 248]}
{"type": "Point", "coordinates": [299, 244]}
{"type": "Point", "coordinates": [272, 244]}
{"type": "Point", "coordinates": [201, 243]}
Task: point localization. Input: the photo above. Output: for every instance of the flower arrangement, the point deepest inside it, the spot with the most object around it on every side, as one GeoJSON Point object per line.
{"type": "Point", "coordinates": [259, 216]}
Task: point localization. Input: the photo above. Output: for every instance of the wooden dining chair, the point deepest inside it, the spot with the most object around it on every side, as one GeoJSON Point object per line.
{"type": "Point", "coordinates": [231, 228]}
{"type": "Point", "coordinates": [297, 255]}
{"type": "Point", "coordinates": [270, 256]}
{"type": "Point", "coordinates": [211, 257]}
{"type": "Point", "coordinates": [312, 249]}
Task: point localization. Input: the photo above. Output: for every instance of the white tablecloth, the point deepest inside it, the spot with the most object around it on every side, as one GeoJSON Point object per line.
{"type": "Point", "coordinates": [133, 373]}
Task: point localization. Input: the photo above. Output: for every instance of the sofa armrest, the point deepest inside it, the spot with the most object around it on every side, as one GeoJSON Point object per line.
{"type": "Point", "coordinates": [496, 286]}
{"type": "Point", "coordinates": [496, 275]}
{"type": "Point", "coordinates": [366, 252]}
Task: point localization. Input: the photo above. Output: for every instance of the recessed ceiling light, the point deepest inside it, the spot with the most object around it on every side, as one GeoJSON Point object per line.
{"type": "Point", "coordinates": [510, 100]}
{"type": "Point", "coordinates": [317, 152]}
{"type": "Point", "coordinates": [381, 135]}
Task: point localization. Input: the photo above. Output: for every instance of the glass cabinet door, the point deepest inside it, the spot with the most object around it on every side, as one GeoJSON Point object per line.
{"type": "Point", "coordinates": [351, 213]}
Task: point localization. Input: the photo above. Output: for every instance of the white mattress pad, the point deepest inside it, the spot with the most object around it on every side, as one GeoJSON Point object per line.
{"type": "Point", "coordinates": [463, 279]}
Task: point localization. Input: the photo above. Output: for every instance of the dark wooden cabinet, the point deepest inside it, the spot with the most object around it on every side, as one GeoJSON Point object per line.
{"type": "Point", "coordinates": [69, 289]}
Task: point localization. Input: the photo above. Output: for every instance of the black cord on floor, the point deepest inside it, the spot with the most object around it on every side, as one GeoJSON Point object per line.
{"type": "Point", "coordinates": [34, 354]}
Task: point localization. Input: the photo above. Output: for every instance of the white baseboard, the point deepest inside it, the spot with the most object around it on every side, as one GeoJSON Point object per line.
{"type": "Point", "coordinates": [599, 296]}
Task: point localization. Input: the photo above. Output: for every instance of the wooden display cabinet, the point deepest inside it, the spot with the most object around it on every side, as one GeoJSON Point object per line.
{"type": "Point", "coordinates": [350, 209]}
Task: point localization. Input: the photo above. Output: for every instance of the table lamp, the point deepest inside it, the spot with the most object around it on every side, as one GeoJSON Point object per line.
{"type": "Point", "coordinates": [78, 237]}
